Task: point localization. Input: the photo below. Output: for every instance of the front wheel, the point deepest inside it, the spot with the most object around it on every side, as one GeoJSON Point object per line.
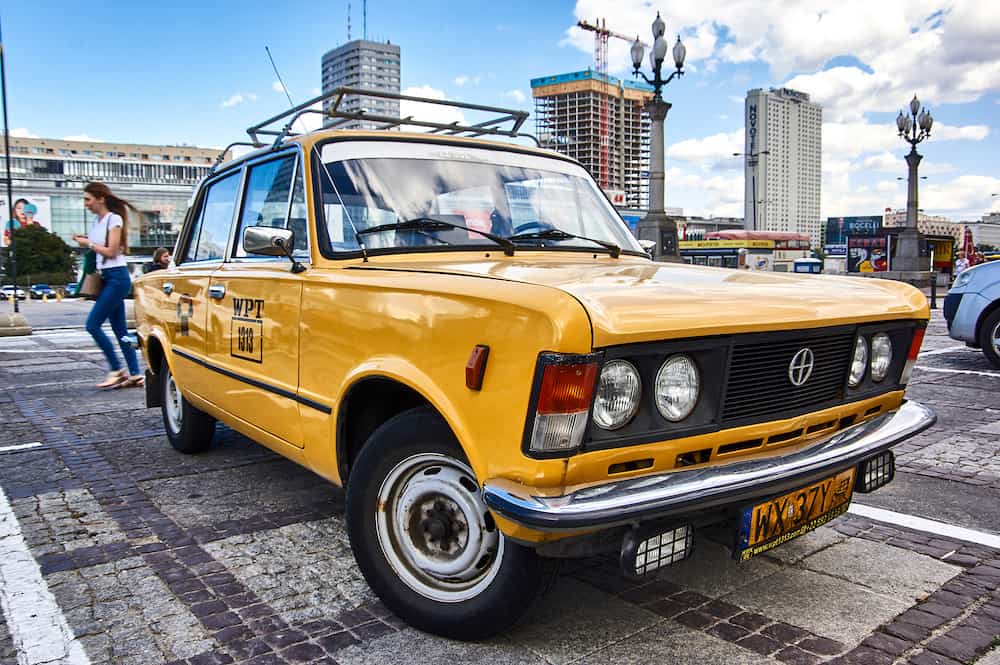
{"type": "Point", "coordinates": [189, 429]}
{"type": "Point", "coordinates": [424, 539]}
{"type": "Point", "coordinates": [989, 338]}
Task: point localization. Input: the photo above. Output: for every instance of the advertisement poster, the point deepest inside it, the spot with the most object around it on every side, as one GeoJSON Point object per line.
{"type": "Point", "coordinates": [838, 229]}
{"type": "Point", "coordinates": [867, 255]}
{"type": "Point", "coordinates": [27, 210]}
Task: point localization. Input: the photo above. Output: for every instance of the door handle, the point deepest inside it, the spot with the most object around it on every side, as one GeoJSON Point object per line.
{"type": "Point", "coordinates": [217, 291]}
{"type": "Point", "coordinates": [168, 287]}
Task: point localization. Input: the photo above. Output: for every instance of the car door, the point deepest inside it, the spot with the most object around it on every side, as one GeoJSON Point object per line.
{"type": "Point", "coordinates": [180, 294]}
{"type": "Point", "coordinates": [254, 307]}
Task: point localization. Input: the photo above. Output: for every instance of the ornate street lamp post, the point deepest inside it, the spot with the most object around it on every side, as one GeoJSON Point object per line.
{"type": "Point", "coordinates": [655, 225]}
{"type": "Point", "coordinates": [913, 127]}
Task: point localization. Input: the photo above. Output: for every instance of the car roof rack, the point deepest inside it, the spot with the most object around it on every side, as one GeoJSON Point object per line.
{"type": "Point", "coordinates": [490, 127]}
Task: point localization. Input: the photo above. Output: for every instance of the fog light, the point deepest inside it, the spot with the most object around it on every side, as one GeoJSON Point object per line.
{"type": "Point", "coordinates": [875, 472]}
{"type": "Point", "coordinates": [647, 549]}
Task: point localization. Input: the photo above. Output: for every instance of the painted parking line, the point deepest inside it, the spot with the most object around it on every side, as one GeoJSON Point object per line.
{"type": "Point", "coordinates": [50, 350]}
{"type": "Point", "coordinates": [20, 446]}
{"type": "Point", "coordinates": [949, 349]}
{"type": "Point", "coordinates": [926, 525]}
{"type": "Point", "coordinates": [37, 626]}
{"type": "Point", "coordinates": [945, 370]}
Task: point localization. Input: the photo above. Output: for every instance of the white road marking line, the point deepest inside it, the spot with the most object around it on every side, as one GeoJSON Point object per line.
{"type": "Point", "coordinates": [20, 446]}
{"type": "Point", "coordinates": [36, 624]}
{"type": "Point", "coordinates": [926, 525]}
{"type": "Point", "coordinates": [50, 350]}
{"type": "Point", "coordinates": [944, 370]}
{"type": "Point", "coordinates": [949, 349]}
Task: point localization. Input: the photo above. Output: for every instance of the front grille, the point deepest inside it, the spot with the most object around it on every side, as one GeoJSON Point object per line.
{"type": "Point", "coordinates": [759, 386]}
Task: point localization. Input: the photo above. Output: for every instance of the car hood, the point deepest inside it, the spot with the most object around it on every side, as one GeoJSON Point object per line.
{"type": "Point", "coordinates": [636, 300]}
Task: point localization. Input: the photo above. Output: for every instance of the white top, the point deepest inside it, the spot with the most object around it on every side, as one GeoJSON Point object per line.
{"type": "Point", "coordinates": [99, 235]}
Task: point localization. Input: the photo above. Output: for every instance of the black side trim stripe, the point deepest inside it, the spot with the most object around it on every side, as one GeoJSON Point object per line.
{"type": "Point", "coordinates": [254, 382]}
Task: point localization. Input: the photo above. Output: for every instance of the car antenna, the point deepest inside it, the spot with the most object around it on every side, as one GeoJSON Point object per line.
{"type": "Point", "coordinates": [284, 88]}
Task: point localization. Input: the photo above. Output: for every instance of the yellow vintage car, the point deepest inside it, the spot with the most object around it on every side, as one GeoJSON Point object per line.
{"type": "Point", "coordinates": [465, 335]}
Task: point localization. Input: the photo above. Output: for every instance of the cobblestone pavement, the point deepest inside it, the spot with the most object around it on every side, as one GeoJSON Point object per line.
{"type": "Point", "coordinates": [147, 556]}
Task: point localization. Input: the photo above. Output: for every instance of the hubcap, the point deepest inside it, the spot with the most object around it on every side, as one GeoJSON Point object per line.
{"type": "Point", "coordinates": [995, 338]}
{"type": "Point", "coordinates": [435, 530]}
{"type": "Point", "coordinates": [172, 403]}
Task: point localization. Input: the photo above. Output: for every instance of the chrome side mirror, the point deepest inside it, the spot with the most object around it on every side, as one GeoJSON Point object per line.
{"type": "Point", "coordinates": [271, 241]}
{"type": "Point", "coordinates": [648, 246]}
{"type": "Point", "coordinates": [268, 240]}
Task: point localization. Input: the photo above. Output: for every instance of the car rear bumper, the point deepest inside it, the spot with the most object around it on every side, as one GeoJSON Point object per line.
{"type": "Point", "coordinates": [706, 488]}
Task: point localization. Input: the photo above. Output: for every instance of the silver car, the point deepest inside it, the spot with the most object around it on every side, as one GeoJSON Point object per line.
{"type": "Point", "coordinates": [6, 292]}
{"type": "Point", "coordinates": [972, 309]}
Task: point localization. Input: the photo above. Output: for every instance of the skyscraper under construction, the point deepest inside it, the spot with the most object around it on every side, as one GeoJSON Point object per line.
{"type": "Point", "coordinates": [601, 122]}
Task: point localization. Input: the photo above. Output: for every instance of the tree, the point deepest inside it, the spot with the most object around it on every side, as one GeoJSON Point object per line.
{"type": "Point", "coordinates": [40, 252]}
{"type": "Point", "coordinates": [986, 248]}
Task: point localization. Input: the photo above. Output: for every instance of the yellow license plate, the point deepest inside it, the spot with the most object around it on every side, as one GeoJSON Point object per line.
{"type": "Point", "coordinates": [770, 523]}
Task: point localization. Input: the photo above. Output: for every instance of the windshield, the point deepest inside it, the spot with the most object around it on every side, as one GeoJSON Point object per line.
{"type": "Point", "coordinates": [505, 194]}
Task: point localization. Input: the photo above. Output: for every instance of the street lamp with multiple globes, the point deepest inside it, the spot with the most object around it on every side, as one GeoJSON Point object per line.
{"type": "Point", "coordinates": [655, 225]}
{"type": "Point", "coordinates": [913, 127]}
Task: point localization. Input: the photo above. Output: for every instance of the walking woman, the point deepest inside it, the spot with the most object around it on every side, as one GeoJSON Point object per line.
{"type": "Point", "coordinates": [108, 238]}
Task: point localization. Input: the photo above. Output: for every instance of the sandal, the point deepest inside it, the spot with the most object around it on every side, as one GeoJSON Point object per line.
{"type": "Point", "coordinates": [136, 381]}
{"type": "Point", "coordinates": [113, 379]}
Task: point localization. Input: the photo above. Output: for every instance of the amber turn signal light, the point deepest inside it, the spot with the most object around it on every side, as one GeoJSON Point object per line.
{"type": "Point", "coordinates": [475, 368]}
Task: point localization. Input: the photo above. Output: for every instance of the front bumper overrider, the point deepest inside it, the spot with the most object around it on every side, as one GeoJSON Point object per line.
{"type": "Point", "coordinates": [675, 493]}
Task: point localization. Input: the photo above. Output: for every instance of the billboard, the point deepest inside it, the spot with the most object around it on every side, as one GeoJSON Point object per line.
{"type": "Point", "coordinates": [27, 210]}
{"type": "Point", "coordinates": [838, 229]}
{"type": "Point", "coordinates": [867, 254]}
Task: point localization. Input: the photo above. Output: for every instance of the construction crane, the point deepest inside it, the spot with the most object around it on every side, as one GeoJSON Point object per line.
{"type": "Point", "coordinates": [601, 36]}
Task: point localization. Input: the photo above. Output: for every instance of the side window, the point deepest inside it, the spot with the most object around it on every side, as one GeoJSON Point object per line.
{"type": "Point", "coordinates": [211, 228]}
{"type": "Point", "coordinates": [274, 197]}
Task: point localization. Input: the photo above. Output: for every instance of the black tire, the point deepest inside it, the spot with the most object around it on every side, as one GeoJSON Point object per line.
{"type": "Point", "coordinates": [506, 585]}
{"type": "Point", "coordinates": [189, 430]}
{"type": "Point", "coordinates": [989, 338]}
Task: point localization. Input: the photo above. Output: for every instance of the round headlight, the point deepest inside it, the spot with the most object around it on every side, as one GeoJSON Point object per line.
{"type": "Point", "coordinates": [881, 356]}
{"type": "Point", "coordinates": [677, 388]}
{"type": "Point", "coordinates": [860, 362]}
{"type": "Point", "coordinates": [618, 394]}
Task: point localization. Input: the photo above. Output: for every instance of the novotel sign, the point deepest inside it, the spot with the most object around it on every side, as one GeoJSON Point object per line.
{"type": "Point", "coordinates": [752, 134]}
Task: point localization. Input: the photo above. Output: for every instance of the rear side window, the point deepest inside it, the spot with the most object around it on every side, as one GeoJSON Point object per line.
{"type": "Point", "coordinates": [274, 198]}
{"type": "Point", "coordinates": [215, 219]}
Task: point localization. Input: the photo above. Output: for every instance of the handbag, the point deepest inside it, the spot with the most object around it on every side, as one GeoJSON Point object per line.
{"type": "Point", "coordinates": [92, 283]}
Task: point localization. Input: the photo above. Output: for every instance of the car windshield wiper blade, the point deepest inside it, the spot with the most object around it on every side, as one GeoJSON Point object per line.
{"type": "Point", "coordinates": [559, 234]}
{"type": "Point", "coordinates": [434, 224]}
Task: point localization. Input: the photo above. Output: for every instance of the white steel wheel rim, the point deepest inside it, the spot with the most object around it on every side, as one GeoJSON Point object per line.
{"type": "Point", "coordinates": [172, 402]}
{"type": "Point", "coordinates": [434, 529]}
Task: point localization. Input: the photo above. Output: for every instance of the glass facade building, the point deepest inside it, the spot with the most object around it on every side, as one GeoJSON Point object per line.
{"type": "Point", "coordinates": [158, 180]}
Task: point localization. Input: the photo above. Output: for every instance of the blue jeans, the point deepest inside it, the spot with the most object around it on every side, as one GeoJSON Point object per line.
{"type": "Point", "coordinates": [110, 305]}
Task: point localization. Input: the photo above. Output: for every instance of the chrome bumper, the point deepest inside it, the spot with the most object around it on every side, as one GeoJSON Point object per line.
{"type": "Point", "coordinates": [695, 490]}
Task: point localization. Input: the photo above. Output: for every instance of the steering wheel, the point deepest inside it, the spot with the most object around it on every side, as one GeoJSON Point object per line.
{"type": "Point", "coordinates": [531, 227]}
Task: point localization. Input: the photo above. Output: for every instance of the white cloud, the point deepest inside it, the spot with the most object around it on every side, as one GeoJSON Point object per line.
{"type": "Point", "coordinates": [316, 91]}
{"type": "Point", "coordinates": [82, 137]}
{"type": "Point", "coordinates": [277, 87]}
{"type": "Point", "coordinates": [23, 133]}
{"type": "Point", "coordinates": [516, 95]}
{"type": "Point", "coordinates": [239, 98]}
{"type": "Point", "coordinates": [716, 149]}
{"type": "Point", "coordinates": [463, 80]}
{"type": "Point", "coordinates": [428, 112]}
{"type": "Point", "coordinates": [946, 55]}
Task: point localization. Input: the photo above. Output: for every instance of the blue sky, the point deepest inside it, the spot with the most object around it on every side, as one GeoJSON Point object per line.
{"type": "Point", "coordinates": [197, 73]}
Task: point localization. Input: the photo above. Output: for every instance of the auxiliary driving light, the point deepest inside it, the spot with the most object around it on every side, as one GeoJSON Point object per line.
{"type": "Point", "coordinates": [875, 472]}
{"type": "Point", "coordinates": [647, 549]}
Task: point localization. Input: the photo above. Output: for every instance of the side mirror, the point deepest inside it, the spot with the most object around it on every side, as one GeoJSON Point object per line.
{"type": "Point", "coordinates": [271, 241]}
{"type": "Point", "coordinates": [648, 246]}
{"type": "Point", "coordinates": [267, 240]}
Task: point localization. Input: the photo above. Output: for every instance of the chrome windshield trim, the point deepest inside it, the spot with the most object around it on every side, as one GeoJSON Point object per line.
{"type": "Point", "coordinates": [676, 492]}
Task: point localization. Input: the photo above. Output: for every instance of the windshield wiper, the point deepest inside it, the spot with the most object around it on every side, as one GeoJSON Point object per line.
{"type": "Point", "coordinates": [558, 234]}
{"type": "Point", "coordinates": [434, 224]}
